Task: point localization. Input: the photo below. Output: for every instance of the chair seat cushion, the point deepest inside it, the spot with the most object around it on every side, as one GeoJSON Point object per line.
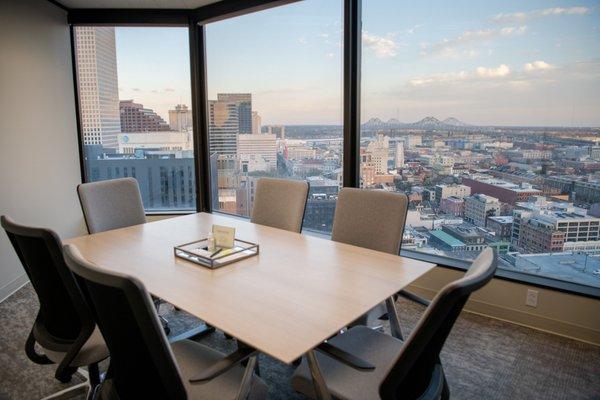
{"type": "Point", "coordinates": [192, 358]}
{"type": "Point", "coordinates": [345, 382]}
{"type": "Point", "coordinates": [93, 351]}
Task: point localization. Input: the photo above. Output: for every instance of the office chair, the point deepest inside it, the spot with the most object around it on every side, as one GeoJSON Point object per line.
{"type": "Point", "coordinates": [64, 327]}
{"type": "Point", "coordinates": [143, 364]}
{"type": "Point", "coordinates": [280, 203]}
{"type": "Point", "coordinates": [113, 204]}
{"type": "Point", "coordinates": [373, 219]}
{"type": "Point", "coordinates": [397, 370]}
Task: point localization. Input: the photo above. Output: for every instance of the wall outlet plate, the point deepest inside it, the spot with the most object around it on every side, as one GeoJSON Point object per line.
{"type": "Point", "coordinates": [532, 298]}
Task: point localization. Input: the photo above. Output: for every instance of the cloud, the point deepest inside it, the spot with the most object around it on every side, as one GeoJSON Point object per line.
{"type": "Point", "coordinates": [448, 47]}
{"type": "Point", "coordinates": [537, 66]}
{"type": "Point", "coordinates": [383, 47]}
{"type": "Point", "coordinates": [302, 40]}
{"type": "Point", "coordinates": [498, 72]}
{"type": "Point", "coordinates": [520, 17]}
{"type": "Point", "coordinates": [330, 55]}
{"type": "Point", "coordinates": [169, 89]}
{"type": "Point", "coordinates": [136, 89]}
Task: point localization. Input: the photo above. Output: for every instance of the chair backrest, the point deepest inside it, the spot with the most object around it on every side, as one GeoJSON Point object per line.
{"type": "Point", "coordinates": [418, 361]}
{"type": "Point", "coordinates": [111, 204]}
{"type": "Point", "coordinates": [373, 219]}
{"type": "Point", "coordinates": [142, 364]}
{"type": "Point", "coordinates": [280, 203]}
{"type": "Point", "coordinates": [63, 315]}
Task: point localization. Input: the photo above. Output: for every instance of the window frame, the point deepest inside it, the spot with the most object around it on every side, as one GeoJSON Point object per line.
{"type": "Point", "coordinates": [195, 20]}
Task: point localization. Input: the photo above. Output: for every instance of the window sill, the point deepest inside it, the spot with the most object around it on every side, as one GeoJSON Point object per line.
{"type": "Point", "coordinates": [462, 265]}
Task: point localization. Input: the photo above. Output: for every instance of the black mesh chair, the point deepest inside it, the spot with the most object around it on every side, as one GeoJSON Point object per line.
{"type": "Point", "coordinates": [390, 368]}
{"type": "Point", "coordinates": [143, 365]}
{"type": "Point", "coordinates": [64, 327]}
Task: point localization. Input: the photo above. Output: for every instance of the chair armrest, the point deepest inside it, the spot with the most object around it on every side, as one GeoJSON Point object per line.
{"type": "Point", "coordinates": [344, 357]}
{"type": "Point", "coordinates": [224, 364]}
{"type": "Point", "coordinates": [413, 297]}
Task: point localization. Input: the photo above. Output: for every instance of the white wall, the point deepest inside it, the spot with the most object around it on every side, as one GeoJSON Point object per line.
{"type": "Point", "coordinates": [39, 162]}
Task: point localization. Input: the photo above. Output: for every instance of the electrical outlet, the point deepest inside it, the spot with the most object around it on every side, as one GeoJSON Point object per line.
{"type": "Point", "coordinates": [532, 298]}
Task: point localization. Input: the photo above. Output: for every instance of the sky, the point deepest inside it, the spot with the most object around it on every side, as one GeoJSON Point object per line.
{"type": "Point", "coordinates": [484, 62]}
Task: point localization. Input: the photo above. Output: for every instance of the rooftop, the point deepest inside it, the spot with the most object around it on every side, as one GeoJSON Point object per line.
{"type": "Point", "coordinates": [502, 219]}
{"type": "Point", "coordinates": [446, 238]}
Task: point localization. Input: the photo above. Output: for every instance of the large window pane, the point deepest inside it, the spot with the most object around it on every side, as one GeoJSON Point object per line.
{"type": "Point", "coordinates": [134, 97]}
{"type": "Point", "coordinates": [275, 108]}
{"type": "Point", "coordinates": [486, 114]}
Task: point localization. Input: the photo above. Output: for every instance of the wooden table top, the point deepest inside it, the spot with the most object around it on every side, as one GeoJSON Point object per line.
{"type": "Point", "coordinates": [296, 293]}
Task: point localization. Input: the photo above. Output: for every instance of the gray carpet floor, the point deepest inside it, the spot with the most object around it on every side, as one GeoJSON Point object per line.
{"type": "Point", "coordinates": [483, 358]}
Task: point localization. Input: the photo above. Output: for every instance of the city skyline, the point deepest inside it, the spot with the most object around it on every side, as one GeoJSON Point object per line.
{"type": "Point", "coordinates": [506, 64]}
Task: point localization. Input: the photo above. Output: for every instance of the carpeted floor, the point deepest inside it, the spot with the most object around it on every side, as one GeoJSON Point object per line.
{"type": "Point", "coordinates": [483, 358]}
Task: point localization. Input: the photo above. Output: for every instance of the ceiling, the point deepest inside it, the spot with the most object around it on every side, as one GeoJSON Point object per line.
{"type": "Point", "coordinates": [148, 4]}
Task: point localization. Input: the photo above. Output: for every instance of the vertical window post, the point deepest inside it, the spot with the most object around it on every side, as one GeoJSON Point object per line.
{"type": "Point", "coordinates": [352, 64]}
{"type": "Point", "coordinates": [200, 116]}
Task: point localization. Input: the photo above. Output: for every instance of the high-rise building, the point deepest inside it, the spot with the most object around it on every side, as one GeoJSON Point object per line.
{"type": "Point", "coordinates": [243, 102]}
{"type": "Point", "coordinates": [479, 207]}
{"type": "Point", "coordinates": [98, 85]}
{"type": "Point", "coordinates": [399, 159]}
{"type": "Point", "coordinates": [379, 150]}
{"type": "Point", "coordinates": [256, 123]}
{"type": "Point", "coordinates": [136, 118]}
{"type": "Point", "coordinates": [223, 127]}
{"type": "Point", "coordinates": [277, 130]}
{"type": "Point", "coordinates": [180, 119]}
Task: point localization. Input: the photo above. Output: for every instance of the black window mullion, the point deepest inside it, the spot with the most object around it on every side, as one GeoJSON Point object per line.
{"type": "Point", "coordinates": [200, 116]}
{"type": "Point", "coordinates": [352, 66]}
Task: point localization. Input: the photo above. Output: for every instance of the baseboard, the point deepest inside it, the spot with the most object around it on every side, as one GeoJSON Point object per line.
{"type": "Point", "coordinates": [556, 327]}
{"type": "Point", "coordinates": [12, 286]}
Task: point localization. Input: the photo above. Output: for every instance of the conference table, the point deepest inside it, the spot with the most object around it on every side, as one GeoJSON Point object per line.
{"type": "Point", "coordinates": [297, 292]}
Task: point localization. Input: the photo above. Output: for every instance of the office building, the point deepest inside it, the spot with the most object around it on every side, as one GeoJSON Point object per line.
{"type": "Point", "coordinates": [444, 191]}
{"type": "Point", "coordinates": [501, 226]}
{"type": "Point", "coordinates": [257, 152]}
{"type": "Point", "coordinates": [223, 127]}
{"type": "Point", "coordinates": [379, 149]}
{"type": "Point", "coordinates": [452, 205]}
{"type": "Point", "coordinates": [479, 207]}
{"type": "Point", "coordinates": [136, 118]}
{"type": "Point", "coordinates": [256, 123]}
{"type": "Point", "coordinates": [243, 102]}
{"type": "Point", "coordinates": [277, 130]}
{"type": "Point", "coordinates": [506, 192]}
{"type": "Point", "coordinates": [399, 157]}
{"type": "Point", "coordinates": [98, 85]}
{"type": "Point", "coordinates": [180, 119]}
{"type": "Point", "coordinates": [129, 143]}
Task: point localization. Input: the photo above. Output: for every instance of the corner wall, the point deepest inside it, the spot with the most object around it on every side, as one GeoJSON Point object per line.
{"type": "Point", "coordinates": [39, 156]}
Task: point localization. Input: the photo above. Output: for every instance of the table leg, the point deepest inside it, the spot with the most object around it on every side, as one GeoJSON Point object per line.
{"type": "Point", "coordinates": [320, 387]}
{"type": "Point", "coordinates": [194, 333]}
{"type": "Point", "coordinates": [393, 317]}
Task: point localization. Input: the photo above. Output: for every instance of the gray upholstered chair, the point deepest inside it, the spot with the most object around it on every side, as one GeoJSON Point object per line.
{"type": "Point", "coordinates": [111, 204]}
{"type": "Point", "coordinates": [280, 203]}
{"type": "Point", "coordinates": [144, 365]}
{"type": "Point", "coordinates": [391, 368]}
{"type": "Point", "coordinates": [373, 219]}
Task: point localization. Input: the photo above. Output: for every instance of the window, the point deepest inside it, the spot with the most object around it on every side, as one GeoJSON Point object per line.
{"type": "Point", "coordinates": [134, 104]}
{"type": "Point", "coordinates": [485, 114]}
{"type": "Point", "coordinates": [275, 105]}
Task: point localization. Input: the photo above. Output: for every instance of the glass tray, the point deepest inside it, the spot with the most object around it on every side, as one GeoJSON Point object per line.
{"type": "Point", "coordinates": [197, 252]}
